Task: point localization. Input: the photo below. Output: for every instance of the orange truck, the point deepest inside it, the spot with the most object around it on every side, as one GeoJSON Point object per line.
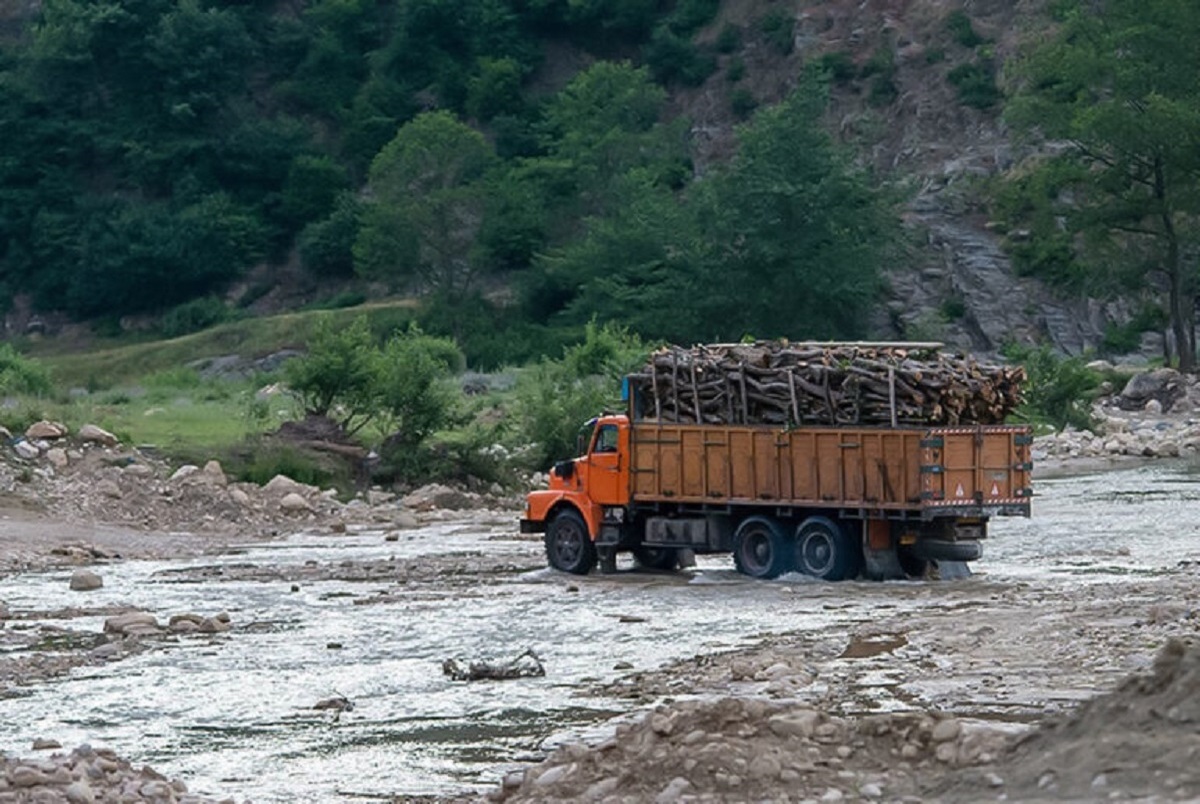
{"type": "Point", "coordinates": [830, 502]}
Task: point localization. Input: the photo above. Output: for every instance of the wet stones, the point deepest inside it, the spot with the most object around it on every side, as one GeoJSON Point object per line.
{"type": "Point", "coordinates": [86, 776]}
{"type": "Point", "coordinates": [85, 581]}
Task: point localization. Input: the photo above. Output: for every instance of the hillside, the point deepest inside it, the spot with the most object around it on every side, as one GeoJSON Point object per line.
{"type": "Point", "coordinates": [152, 185]}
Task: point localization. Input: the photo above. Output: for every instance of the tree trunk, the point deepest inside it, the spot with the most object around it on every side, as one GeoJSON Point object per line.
{"type": "Point", "coordinates": [1180, 302]}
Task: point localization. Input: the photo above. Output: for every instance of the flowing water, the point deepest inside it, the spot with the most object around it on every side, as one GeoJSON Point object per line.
{"type": "Point", "coordinates": [232, 713]}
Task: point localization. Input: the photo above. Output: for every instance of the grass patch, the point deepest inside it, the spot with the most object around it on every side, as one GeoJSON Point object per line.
{"type": "Point", "coordinates": [125, 363]}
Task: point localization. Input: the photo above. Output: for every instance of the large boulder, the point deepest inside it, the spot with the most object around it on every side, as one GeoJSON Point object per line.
{"type": "Point", "coordinates": [1165, 386]}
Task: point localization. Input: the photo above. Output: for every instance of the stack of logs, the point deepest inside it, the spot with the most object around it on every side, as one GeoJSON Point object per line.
{"type": "Point", "coordinates": [843, 384]}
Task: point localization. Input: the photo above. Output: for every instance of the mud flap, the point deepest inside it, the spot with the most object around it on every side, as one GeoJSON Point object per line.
{"type": "Point", "coordinates": [882, 565]}
{"type": "Point", "coordinates": [607, 559]}
{"type": "Point", "coordinates": [952, 570]}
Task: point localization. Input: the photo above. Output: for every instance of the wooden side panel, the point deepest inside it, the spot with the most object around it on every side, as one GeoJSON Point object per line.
{"type": "Point", "coordinates": [869, 468]}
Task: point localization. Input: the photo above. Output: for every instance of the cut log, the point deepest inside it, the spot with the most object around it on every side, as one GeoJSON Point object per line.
{"type": "Point", "coordinates": [872, 384]}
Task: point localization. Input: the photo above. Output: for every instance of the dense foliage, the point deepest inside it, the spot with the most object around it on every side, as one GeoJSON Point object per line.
{"type": "Point", "coordinates": [152, 152]}
{"type": "Point", "coordinates": [1120, 203]}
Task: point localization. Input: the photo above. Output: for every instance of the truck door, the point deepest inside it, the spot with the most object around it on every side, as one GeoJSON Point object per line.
{"type": "Point", "coordinates": [606, 472]}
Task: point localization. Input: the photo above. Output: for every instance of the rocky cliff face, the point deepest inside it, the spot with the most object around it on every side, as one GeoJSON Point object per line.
{"type": "Point", "coordinates": [901, 113]}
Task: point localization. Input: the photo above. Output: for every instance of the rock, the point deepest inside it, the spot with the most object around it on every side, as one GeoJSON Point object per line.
{"type": "Point", "coordinates": [240, 497]}
{"type": "Point", "coordinates": [79, 793]}
{"type": "Point", "coordinates": [131, 622]}
{"type": "Point", "coordinates": [25, 776]}
{"type": "Point", "coordinates": [870, 790]}
{"type": "Point", "coordinates": [282, 485]}
{"type": "Point", "coordinates": [26, 450]}
{"type": "Point", "coordinates": [801, 723]}
{"type": "Point", "coordinates": [1162, 385]}
{"type": "Point", "coordinates": [184, 472]}
{"type": "Point", "coordinates": [946, 730]}
{"type": "Point", "coordinates": [43, 744]}
{"type": "Point", "coordinates": [293, 503]}
{"type": "Point", "coordinates": [672, 791]}
{"type": "Point", "coordinates": [1153, 407]}
{"type": "Point", "coordinates": [85, 581]}
{"type": "Point", "coordinates": [765, 767]}
{"type": "Point", "coordinates": [97, 435]}
{"type": "Point", "coordinates": [554, 775]}
{"type": "Point", "coordinates": [137, 470]}
{"type": "Point", "coordinates": [57, 457]}
{"type": "Point", "coordinates": [46, 430]}
{"type": "Point", "coordinates": [215, 474]}
{"type": "Point", "coordinates": [436, 495]}
{"type": "Point", "coordinates": [107, 488]}
{"type": "Point", "coordinates": [378, 497]}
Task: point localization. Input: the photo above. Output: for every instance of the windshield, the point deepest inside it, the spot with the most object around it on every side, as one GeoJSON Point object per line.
{"type": "Point", "coordinates": [584, 439]}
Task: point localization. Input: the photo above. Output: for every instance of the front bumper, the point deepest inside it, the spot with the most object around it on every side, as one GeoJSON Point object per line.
{"type": "Point", "coordinates": [532, 526]}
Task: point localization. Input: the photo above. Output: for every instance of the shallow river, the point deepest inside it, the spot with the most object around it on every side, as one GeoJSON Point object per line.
{"type": "Point", "coordinates": [232, 714]}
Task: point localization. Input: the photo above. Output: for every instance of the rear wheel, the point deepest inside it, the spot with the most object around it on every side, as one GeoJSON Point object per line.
{"type": "Point", "coordinates": [824, 550]}
{"type": "Point", "coordinates": [568, 546]}
{"type": "Point", "coordinates": [657, 558]}
{"type": "Point", "coordinates": [760, 549]}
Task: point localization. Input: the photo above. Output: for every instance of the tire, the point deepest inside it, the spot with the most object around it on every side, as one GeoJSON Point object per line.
{"type": "Point", "coordinates": [569, 547]}
{"type": "Point", "coordinates": [824, 550]}
{"type": "Point", "coordinates": [946, 550]}
{"type": "Point", "coordinates": [761, 549]}
{"type": "Point", "coordinates": [657, 558]}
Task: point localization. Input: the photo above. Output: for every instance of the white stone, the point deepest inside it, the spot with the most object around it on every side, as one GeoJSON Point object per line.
{"type": "Point", "coordinates": [801, 723]}
{"type": "Point", "coordinates": [26, 450]}
{"type": "Point", "coordinates": [281, 485]}
{"type": "Point", "coordinates": [131, 620]}
{"type": "Point", "coordinates": [184, 472]}
{"type": "Point", "coordinates": [79, 793]}
{"type": "Point", "coordinates": [293, 503]}
{"type": "Point", "coordinates": [672, 791]}
{"type": "Point", "coordinates": [554, 775]}
{"type": "Point", "coordinates": [137, 470]}
{"type": "Point", "coordinates": [946, 730]}
{"type": "Point", "coordinates": [870, 790]}
{"type": "Point", "coordinates": [240, 497]}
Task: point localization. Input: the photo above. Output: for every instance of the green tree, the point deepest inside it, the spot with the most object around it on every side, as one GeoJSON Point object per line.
{"type": "Point", "coordinates": [426, 206]}
{"type": "Point", "coordinates": [414, 398]}
{"type": "Point", "coordinates": [338, 375]}
{"type": "Point", "coordinates": [1121, 88]}
{"type": "Point", "coordinates": [797, 234]}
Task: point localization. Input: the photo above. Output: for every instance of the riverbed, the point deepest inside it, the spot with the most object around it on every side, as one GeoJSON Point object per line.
{"type": "Point", "coordinates": [370, 615]}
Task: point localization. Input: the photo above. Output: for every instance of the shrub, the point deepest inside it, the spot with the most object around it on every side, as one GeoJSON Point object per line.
{"type": "Point", "coordinates": [194, 316]}
{"type": "Point", "coordinates": [958, 24]}
{"type": "Point", "coordinates": [743, 103]}
{"type": "Point", "coordinates": [555, 397]}
{"type": "Point", "coordinates": [729, 39]}
{"type": "Point", "coordinates": [21, 375]}
{"type": "Point", "coordinates": [339, 371]}
{"type": "Point", "coordinates": [777, 27]}
{"type": "Point", "coordinates": [674, 58]}
{"type": "Point", "coordinates": [1058, 391]}
{"type": "Point", "coordinates": [839, 65]}
{"type": "Point", "coordinates": [976, 85]}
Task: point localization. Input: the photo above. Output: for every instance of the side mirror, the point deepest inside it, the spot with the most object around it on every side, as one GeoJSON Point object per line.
{"type": "Point", "coordinates": [564, 469]}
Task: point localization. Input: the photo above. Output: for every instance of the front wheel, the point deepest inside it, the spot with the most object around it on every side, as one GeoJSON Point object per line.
{"type": "Point", "coordinates": [568, 546]}
{"type": "Point", "coordinates": [824, 550]}
{"type": "Point", "coordinates": [761, 549]}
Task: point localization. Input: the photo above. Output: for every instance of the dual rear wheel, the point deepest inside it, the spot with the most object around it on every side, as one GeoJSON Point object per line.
{"type": "Point", "coordinates": [819, 547]}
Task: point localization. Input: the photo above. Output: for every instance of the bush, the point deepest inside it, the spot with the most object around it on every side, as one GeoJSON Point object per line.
{"type": "Point", "coordinates": [839, 65]}
{"type": "Point", "coordinates": [555, 397]}
{"type": "Point", "coordinates": [743, 103]}
{"type": "Point", "coordinates": [729, 39]}
{"type": "Point", "coordinates": [958, 24]}
{"type": "Point", "coordinates": [777, 27]}
{"type": "Point", "coordinates": [674, 58]}
{"type": "Point", "coordinates": [976, 85]}
{"type": "Point", "coordinates": [1059, 390]}
{"type": "Point", "coordinates": [339, 370]}
{"type": "Point", "coordinates": [194, 316]}
{"type": "Point", "coordinates": [21, 375]}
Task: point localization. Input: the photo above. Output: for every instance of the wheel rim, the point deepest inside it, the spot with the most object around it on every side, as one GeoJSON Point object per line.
{"type": "Point", "coordinates": [757, 552]}
{"type": "Point", "coordinates": [568, 544]}
{"type": "Point", "coordinates": [816, 552]}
